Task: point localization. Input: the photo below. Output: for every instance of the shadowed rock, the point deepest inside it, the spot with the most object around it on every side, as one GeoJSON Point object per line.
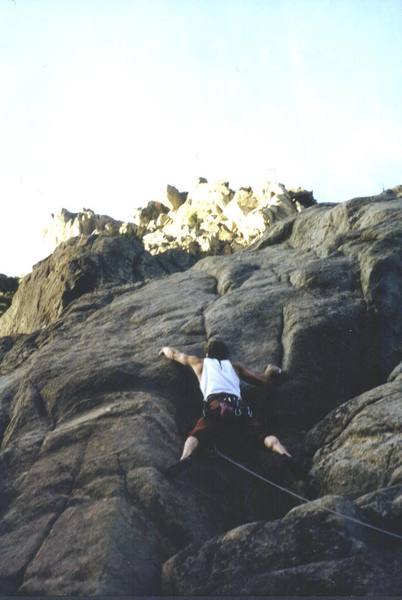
{"type": "Point", "coordinates": [309, 551]}
{"type": "Point", "coordinates": [358, 446]}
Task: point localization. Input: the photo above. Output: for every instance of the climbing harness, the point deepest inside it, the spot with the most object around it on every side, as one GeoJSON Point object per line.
{"type": "Point", "coordinates": [302, 498]}
{"type": "Point", "coordinates": [226, 406]}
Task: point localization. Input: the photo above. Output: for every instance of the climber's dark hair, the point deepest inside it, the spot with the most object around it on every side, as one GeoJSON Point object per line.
{"type": "Point", "coordinates": [216, 349]}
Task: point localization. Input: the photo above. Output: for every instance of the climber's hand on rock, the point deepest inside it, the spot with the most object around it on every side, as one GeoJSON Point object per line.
{"type": "Point", "coordinates": [165, 351]}
{"type": "Point", "coordinates": [272, 371]}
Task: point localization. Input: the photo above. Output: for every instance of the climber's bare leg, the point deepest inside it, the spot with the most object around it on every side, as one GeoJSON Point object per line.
{"type": "Point", "coordinates": [274, 444]}
{"type": "Point", "coordinates": [190, 445]}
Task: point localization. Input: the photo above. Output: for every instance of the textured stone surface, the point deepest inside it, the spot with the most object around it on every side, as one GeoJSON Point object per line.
{"type": "Point", "coordinates": [383, 508]}
{"type": "Point", "coordinates": [90, 416]}
{"type": "Point", "coordinates": [85, 413]}
{"type": "Point", "coordinates": [309, 551]}
{"type": "Point", "coordinates": [359, 444]}
{"type": "Point", "coordinates": [81, 265]}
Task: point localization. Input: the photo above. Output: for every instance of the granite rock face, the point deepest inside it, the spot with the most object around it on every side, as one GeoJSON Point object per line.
{"type": "Point", "coordinates": [308, 552]}
{"type": "Point", "coordinates": [81, 265]}
{"type": "Point", "coordinates": [90, 416]}
{"type": "Point", "coordinates": [358, 445]}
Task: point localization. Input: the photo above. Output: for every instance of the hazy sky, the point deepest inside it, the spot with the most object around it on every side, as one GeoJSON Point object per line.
{"type": "Point", "coordinates": [103, 102]}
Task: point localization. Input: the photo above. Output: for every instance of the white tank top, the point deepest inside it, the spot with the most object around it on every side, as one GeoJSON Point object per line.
{"type": "Point", "coordinates": [219, 377]}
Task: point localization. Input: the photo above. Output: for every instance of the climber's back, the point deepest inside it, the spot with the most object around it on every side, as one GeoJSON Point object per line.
{"type": "Point", "coordinates": [219, 376]}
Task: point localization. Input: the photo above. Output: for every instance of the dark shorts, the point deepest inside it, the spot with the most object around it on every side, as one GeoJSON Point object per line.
{"type": "Point", "coordinates": [213, 429]}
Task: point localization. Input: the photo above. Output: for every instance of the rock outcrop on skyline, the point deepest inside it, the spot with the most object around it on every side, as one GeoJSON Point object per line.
{"type": "Point", "coordinates": [90, 415]}
{"type": "Point", "coordinates": [215, 219]}
{"type": "Point", "coordinates": [66, 225]}
{"type": "Point", "coordinates": [210, 219]}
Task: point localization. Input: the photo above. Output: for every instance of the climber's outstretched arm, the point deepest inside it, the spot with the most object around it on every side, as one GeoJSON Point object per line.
{"type": "Point", "coordinates": [255, 378]}
{"type": "Point", "coordinates": [189, 360]}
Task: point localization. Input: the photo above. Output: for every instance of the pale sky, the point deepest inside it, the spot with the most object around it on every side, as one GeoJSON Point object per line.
{"type": "Point", "coordinates": [104, 102]}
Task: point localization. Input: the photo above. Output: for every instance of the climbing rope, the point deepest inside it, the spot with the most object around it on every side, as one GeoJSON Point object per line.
{"type": "Point", "coordinates": [287, 491]}
{"type": "Point", "coordinates": [276, 485]}
{"type": "Point", "coordinates": [271, 483]}
{"type": "Point", "coordinates": [302, 498]}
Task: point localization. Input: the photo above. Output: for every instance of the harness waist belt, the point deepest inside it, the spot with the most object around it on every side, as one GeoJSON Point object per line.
{"type": "Point", "coordinates": [223, 396]}
{"type": "Point", "coordinates": [229, 405]}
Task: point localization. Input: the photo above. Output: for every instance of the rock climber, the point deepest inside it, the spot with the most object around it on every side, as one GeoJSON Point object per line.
{"type": "Point", "coordinates": [224, 409]}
